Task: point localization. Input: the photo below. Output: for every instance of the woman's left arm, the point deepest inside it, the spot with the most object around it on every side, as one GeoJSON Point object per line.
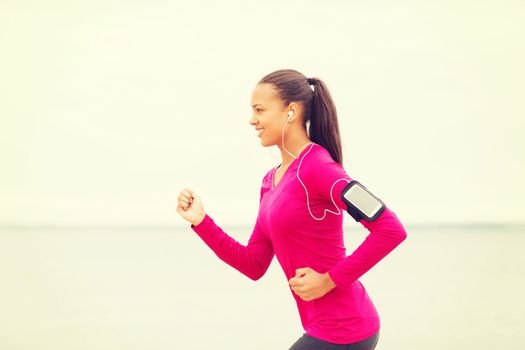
{"type": "Point", "coordinates": [385, 233]}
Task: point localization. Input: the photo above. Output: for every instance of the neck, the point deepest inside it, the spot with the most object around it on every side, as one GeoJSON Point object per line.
{"type": "Point", "coordinates": [295, 147]}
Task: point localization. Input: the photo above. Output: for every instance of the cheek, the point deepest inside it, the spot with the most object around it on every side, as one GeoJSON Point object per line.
{"type": "Point", "coordinates": [271, 133]}
{"type": "Point", "coordinates": [272, 126]}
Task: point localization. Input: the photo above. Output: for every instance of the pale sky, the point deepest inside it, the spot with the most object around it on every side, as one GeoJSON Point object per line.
{"type": "Point", "coordinates": [110, 108]}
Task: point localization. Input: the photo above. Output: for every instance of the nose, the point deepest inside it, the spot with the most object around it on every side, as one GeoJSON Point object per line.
{"type": "Point", "coordinates": [252, 120]}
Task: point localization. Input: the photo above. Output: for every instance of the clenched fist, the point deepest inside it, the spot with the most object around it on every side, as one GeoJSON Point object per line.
{"type": "Point", "coordinates": [190, 206]}
{"type": "Point", "coordinates": [309, 284]}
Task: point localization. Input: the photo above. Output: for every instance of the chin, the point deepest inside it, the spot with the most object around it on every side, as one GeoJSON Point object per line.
{"type": "Point", "coordinates": [265, 143]}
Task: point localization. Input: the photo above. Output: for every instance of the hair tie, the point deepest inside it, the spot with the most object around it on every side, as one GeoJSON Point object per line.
{"type": "Point", "coordinates": [311, 81]}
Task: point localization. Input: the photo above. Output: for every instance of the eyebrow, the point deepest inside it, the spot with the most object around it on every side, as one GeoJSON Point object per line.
{"type": "Point", "coordinates": [257, 104]}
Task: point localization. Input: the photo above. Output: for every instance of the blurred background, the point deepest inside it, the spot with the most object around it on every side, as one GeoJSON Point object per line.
{"type": "Point", "coordinates": [110, 108]}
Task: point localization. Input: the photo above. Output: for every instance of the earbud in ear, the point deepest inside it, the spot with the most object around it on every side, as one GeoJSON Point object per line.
{"type": "Point", "coordinates": [290, 113]}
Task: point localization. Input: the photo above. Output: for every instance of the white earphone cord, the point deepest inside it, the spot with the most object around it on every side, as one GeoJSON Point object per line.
{"type": "Point", "coordinates": [290, 113]}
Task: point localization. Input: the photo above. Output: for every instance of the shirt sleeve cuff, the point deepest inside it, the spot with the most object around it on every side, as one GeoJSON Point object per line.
{"type": "Point", "coordinates": [205, 222]}
{"type": "Point", "coordinates": [335, 278]}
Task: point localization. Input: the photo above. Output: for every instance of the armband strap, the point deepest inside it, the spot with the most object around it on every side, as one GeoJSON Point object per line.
{"type": "Point", "coordinates": [361, 203]}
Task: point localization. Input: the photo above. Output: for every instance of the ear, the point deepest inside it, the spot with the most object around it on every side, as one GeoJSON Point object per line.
{"type": "Point", "coordinates": [292, 106]}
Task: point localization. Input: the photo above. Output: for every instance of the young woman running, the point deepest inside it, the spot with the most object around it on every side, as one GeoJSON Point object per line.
{"type": "Point", "coordinates": [300, 218]}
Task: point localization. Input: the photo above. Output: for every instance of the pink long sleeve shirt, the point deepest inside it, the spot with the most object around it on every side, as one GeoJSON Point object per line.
{"type": "Point", "coordinates": [285, 228]}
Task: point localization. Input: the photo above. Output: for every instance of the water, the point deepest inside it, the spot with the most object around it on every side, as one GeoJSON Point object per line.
{"type": "Point", "coordinates": [442, 288]}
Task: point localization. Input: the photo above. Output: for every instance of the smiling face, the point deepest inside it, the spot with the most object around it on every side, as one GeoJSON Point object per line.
{"type": "Point", "coordinates": [269, 114]}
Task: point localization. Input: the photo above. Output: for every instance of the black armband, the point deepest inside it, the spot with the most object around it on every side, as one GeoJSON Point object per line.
{"type": "Point", "coordinates": [361, 203]}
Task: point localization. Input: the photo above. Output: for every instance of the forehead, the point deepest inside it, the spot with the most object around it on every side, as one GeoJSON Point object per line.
{"type": "Point", "coordinates": [265, 94]}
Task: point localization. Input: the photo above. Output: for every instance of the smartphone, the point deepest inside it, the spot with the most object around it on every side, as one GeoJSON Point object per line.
{"type": "Point", "coordinates": [358, 198]}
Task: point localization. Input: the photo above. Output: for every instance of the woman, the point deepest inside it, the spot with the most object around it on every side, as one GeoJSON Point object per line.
{"type": "Point", "coordinates": [300, 217]}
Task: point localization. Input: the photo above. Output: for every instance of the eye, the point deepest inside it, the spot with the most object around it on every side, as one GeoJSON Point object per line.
{"type": "Point", "coordinates": [258, 109]}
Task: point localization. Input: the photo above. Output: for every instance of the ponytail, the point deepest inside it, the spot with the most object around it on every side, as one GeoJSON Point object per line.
{"type": "Point", "coordinates": [324, 127]}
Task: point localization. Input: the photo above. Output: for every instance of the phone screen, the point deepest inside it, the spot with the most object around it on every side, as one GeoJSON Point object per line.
{"type": "Point", "coordinates": [363, 200]}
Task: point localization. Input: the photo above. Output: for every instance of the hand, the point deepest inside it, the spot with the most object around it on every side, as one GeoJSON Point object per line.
{"type": "Point", "coordinates": [308, 284]}
{"type": "Point", "coordinates": [190, 206]}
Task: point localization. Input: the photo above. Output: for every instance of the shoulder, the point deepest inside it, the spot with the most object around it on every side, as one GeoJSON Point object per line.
{"type": "Point", "coordinates": [320, 171]}
{"type": "Point", "coordinates": [315, 158]}
{"type": "Point", "coordinates": [266, 182]}
{"type": "Point", "coordinates": [266, 178]}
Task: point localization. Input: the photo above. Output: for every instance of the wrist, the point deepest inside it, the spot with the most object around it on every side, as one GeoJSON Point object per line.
{"type": "Point", "coordinates": [198, 220]}
{"type": "Point", "coordinates": [329, 282]}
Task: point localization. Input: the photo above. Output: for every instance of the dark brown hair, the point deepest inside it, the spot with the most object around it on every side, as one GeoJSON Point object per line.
{"type": "Point", "coordinates": [320, 115]}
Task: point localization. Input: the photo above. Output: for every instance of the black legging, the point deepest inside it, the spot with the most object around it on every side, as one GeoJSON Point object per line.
{"type": "Point", "coordinates": [307, 342]}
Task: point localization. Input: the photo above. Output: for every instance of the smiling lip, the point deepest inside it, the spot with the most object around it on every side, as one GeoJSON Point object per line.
{"type": "Point", "coordinates": [260, 132]}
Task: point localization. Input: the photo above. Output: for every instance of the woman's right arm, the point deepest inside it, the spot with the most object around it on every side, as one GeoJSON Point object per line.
{"type": "Point", "coordinates": [252, 260]}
